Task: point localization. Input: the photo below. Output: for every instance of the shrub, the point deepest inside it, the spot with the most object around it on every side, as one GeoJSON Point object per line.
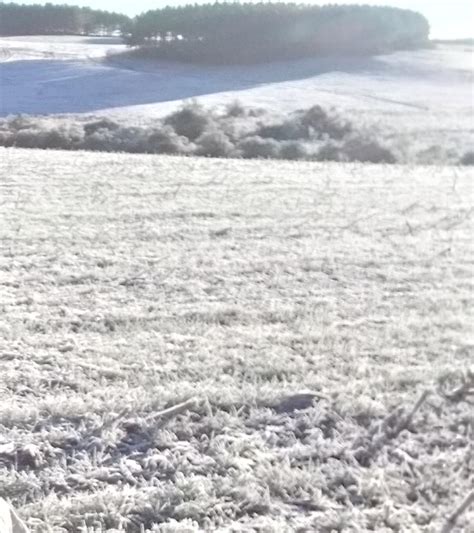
{"type": "Point", "coordinates": [101, 124]}
{"type": "Point", "coordinates": [366, 151]}
{"type": "Point", "coordinates": [190, 121]}
{"type": "Point", "coordinates": [256, 112]}
{"type": "Point", "coordinates": [255, 147]}
{"type": "Point", "coordinates": [131, 139]}
{"type": "Point", "coordinates": [434, 153]}
{"type": "Point", "coordinates": [99, 141]}
{"type": "Point", "coordinates": [292, 150]}
{"type": "Point", "coordinates": [330, 151]}
{"type": "Point", "coordinates": [166, 141]}
{"type": "Point", "coordinates": [27, 138]}
{"type": "Point", "coordinates": [284, 131]}
{"type": "Point", "coordinates": [236, 110]}
{"type": "Point", "coordinates": [467, 159]}
{"type": "Point", "coordinates": [216, 135]}
{"type": "Point", "coordinates": [72, 134]}
{"type": "Point", "coordinates": [215, 143]}
{"type": "Point", "coordinates": [355, 149]}
{"type": "Point", "coordinates": [22, 122]}
{"type": "Point", "coordinates": [121, 139]}
{"type": "Point", "coordinates": [312, 123]}
{"type": "Point", "coordinates": [61, 138]}
{"type": "Point", "coordinates": [317, 120]}
{"type": "Point", "coordinates": [7, 138]}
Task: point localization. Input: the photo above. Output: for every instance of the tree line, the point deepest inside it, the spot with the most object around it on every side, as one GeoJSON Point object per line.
{"type": "Point", "coordinates": [49, 19]}
{"type": "Point", "coordinates": [234, 32]}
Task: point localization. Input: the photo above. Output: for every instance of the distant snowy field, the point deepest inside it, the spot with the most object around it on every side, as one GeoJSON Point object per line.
{"type": "Point", "coordinates": [36, 47]}
{"type": "Point", "coordinates": [427, 93]}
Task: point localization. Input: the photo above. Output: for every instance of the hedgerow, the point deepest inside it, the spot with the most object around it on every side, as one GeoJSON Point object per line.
{"type": "Point", "coordinates": [313, 134]}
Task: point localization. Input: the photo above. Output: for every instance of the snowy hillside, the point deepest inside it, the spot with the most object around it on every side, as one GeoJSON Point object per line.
{"type": "Point", "coordinates": [64, 75]}
{"type": "Point", "coordinates": [420, 101]}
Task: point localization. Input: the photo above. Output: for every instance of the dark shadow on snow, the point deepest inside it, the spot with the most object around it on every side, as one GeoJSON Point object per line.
{"type": "Point", "coordinates": [64, 86]}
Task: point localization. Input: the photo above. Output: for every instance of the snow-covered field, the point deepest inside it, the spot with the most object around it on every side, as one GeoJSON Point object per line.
{"type": "Point", "coordinates": [132, 283]}
{"type": "Point", "coordinates": [35, 47]}
{"type": "Point", "coordinates": [48, 75]}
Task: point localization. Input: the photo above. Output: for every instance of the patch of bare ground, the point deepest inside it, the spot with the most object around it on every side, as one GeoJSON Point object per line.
{"type": "Point", "coordinates": [159, 315]}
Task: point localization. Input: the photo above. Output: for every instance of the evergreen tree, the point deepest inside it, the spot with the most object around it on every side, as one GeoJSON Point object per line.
{"type": "Point", "coordinates": [50, 19]}
{"type": "Point", "coordinates": [233, 32]}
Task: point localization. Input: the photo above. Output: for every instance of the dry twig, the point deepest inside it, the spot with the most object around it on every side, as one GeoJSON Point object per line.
{"type": "Point", "coordinates": [456, 514]}
{"type": "Point", "coordinates": [365, 451]}
{"type": "Point", "coordinates": [406, 421]}
{"type": "Point", "coordinates": [174, 410]}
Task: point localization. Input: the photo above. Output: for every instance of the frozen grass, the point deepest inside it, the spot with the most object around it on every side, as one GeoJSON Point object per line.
{"type": "Point", "coordinates": [130, 284]}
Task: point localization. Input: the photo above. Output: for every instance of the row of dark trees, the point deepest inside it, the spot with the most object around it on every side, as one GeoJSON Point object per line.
{"type": "Point", "coordinates": [52, 19]}
{"type": "Point", "coordinates": [234, 32]}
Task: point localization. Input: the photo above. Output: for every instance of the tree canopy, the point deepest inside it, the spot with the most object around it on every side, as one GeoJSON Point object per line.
{"type": "Point", "coordinates": [49, 19]}
{"type": "Point", "coordinates": [234, 32]}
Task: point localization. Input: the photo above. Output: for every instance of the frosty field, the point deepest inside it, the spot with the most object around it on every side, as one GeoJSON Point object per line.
{"type": "Point", "coordinates": [130, 284]}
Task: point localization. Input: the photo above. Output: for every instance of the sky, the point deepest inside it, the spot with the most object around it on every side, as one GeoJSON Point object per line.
{"type": "Point", "coordinates": [449, 19]}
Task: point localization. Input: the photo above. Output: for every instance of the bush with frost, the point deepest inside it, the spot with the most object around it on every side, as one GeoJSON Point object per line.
{"type": "Point", "coordinates": [236, 131]}
{"type": "Point", "coordinates": [164, 140]}
{"type": "Point", "coordinates": [6, 137]}
{"type": "Point", "coordinates": [122, 139]}
{"type": "Point", "coordinates": [236, 110]}
{"type": "Point", "coordinates": [255, 147]}
{"type": "Point", "coordinates": [313, 123]}
{"type": "Point", "coordinates": [101, 124]}
{"type": "Point", "coordinates": [467, 159]}
{"type": "Point", "coordinates": [61, 138]}
{"type": "Point", "coordinates": [292, 151]}
{"type": "Point", "coordinates": [22, 122]}
{"type": "Point", "coordinates": [357, 148]}
{"type": "Point", "coordinates": [318, 122]}
{"type": "Point", "coordinates": [190, 121]}
{"type": "Point", "coordinates": [287, 130]}
{"type": "Point", "coordinates": [330, 151]}
{"type": "Point", "coordinates": [215, 143]}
